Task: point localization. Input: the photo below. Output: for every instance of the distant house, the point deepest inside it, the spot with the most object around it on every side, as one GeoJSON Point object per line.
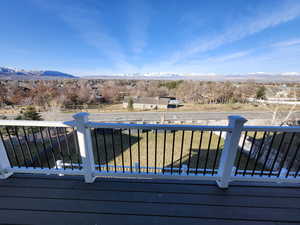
{"type": "Point", "coordinates": [151, 102]}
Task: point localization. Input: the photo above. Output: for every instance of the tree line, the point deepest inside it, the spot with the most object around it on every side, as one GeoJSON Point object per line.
{"type": "Point", "coordinates": [61, 93]}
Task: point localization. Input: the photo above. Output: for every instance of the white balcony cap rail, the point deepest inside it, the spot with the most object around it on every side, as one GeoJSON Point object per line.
{"type": "Point", "coordinates": [28, 123]}
{"type": "Point", "coordinates": [272, 128]}
{"type": "Point", "coordinates": [157, 126]}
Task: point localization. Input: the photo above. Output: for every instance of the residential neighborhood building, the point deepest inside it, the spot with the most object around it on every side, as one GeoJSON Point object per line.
{"type": "Point", "coordinates": [151, 102]}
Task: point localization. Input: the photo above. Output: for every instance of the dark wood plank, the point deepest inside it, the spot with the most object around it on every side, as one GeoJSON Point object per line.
{"type": "Point", "coordinates": [159, 181]}
{"type": "Point", "coordinates": [65, 218]}
{"type": "Point", "coordinates": [27, 199]}
{"type": "Point", "coordinates": [166, 198]}
{"type": "Point", "coordinates": [154, 187]}
{"type": "Point", "coordinates": [152, 209]}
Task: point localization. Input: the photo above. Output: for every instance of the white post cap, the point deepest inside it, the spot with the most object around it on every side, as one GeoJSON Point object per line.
{"type": "Point", "coordinates": [81, 115]}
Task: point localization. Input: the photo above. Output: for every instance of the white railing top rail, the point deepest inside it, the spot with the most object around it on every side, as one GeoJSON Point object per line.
{"type": "Point", "coordinates": [31, 123]}
{"type": "Point", "coordinates": [157, 126]}
{"type": "Point", "coordinates": [92, 124]}
{"type": "Point", "coordinates": [272, 128]}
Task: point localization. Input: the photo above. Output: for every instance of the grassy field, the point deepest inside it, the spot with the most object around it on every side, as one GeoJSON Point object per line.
{"type": "Point", "coordinates": [186, 107]}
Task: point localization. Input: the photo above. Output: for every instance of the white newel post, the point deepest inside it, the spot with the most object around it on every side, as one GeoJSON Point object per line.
{"type": "Point", "coordinates": [4, 162]}
{"type": "Point", "coordinates": [230, 150]}
{"type": "Point", "coordinates": [85, 146]}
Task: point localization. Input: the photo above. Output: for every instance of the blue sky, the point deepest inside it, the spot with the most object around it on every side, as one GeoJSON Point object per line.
{"type": "Point", "coordinates": [92, 37]}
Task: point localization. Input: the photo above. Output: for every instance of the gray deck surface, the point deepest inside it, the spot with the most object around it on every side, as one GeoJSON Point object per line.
{"type": "Point", "coordinates": [34, 199]}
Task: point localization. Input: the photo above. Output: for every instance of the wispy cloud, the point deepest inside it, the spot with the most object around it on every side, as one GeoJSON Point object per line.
{"type": "Point", "coordinates": [287, 43]}
{"type": "Point", "coordinates": [139, 18]}
{"type": "Point", "coordinates": [231, 56]}
{"type": "Point", "coordinates": [261, 21]}
{"type": "Point", "coordinates": [87, 22]}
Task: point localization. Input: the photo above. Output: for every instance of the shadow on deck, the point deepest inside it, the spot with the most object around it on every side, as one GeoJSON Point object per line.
{"type": "Point", "coordinates": [28, 199]}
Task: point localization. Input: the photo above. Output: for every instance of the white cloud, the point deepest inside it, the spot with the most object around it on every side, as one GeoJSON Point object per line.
{"type": "Point", "coordinates": [232, 56]}
{"type": "Point", "coordinates": [287, 43]}
{"type": "Point", "coordinates": [290, 73]}
{"type": "Point", "coordinates": [139, 18]}
{"type": "Point", "coordinates": [262, 21]}
{"type": "Point", "coordinates": [87, 22]}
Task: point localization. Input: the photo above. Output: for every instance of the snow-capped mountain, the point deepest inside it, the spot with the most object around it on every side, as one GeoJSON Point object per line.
{"type": "Point", "coordinates": [20, 74]}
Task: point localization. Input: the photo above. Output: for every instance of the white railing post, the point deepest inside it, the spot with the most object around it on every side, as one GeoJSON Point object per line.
{"type": "Point", "coordinates": [85, 146]}
{"type": "Point", "coordinates": [230, 150]}
{"type": "Point", "coordinates": [4, 162]}
{"type": "Point", "coordinates": [184, 169]}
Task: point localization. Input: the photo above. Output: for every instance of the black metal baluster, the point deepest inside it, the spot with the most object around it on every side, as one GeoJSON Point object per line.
{"type": "Point", "coordinates": [59, 147]}
{"type": "Point", "coordinates": [268, 153]}
{"type": "Point", "coordinates": [181, 152]}
{"type": "Point", "coordinates": [130, 153]}
{"type": "Point", "coordinates": [147, 149]}
{"type": "Point", "coordinates": [173, 146]}
{"type": "Point", "coordinates": [277, 154]}
{"type": "Point", "coordinates": [4, 144]}
{"type": "Point", "coordinates": [20, 145]}
{"type": "Point", "coordinates": [13, 147]}
{"type": "Point", "coordinates": [139, 151]}
{"type": "Point", "coordinates": [286, 153]}
{"type": "Point", "coordinates": [68, 148]}
{"type": "Point", "coordinates": [155, 151]}
{"type": "Point", "coordinates": [250, 152]}
{"type": "Point", "coordinates": [258, 153]}
{"type": "Point", "coordinates": [297, 172]}
{"type": "Point", "coordinates": [217, 153]}
{"type": "Point", "coordinates": [293, 160]}
{"type": "Point", "coordinates": [121, 143]}
{"type": "Point", "coordinates": [36, 148]}
{"type": "Point", "coordinates": [44, 147]}
{"type": "Point", "coordinates": [74, 132]}
{"type": "Point", "coordinates": [199, 151]}
{"type": "Point", "coordinates": [164, 154]}
{"type": "Point", "coordinates": [113, 148]}
{"type": "Point", "coordinates": [105, 149]}
{"type": "Point", "coordinates": [97, 148]}
{"type": "Point", "coordinates": [52, 147]}
{"type": "Point", "coordinates": [241, 153]}
{"type": "Point", "coordinates": [190, 153]}
{"type": "Point", "coordinates": [207, 153]}
{"type": "Point", "coordinates": [28, 147]}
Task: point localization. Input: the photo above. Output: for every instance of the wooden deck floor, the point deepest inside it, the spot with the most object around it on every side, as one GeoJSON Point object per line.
{"type": "Point", "coordinates": [32, 199]}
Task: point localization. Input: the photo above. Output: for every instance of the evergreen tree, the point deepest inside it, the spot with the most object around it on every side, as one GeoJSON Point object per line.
{"type": "Point", "coordinates": [29, 113]}
{"type": "Point", "coordinates": [261, 92]}
{"type": "Point", "coordinates": [130, 104]}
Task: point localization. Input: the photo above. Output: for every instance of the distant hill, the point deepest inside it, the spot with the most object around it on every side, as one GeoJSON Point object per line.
{"type": "Point", "coordinates": [15, 74]}
{"type": "Point", "coordinates": [258, 77]}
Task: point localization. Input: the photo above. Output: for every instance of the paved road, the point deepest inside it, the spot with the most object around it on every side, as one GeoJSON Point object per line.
{"type": "Point", "coordinates": [156, 116]}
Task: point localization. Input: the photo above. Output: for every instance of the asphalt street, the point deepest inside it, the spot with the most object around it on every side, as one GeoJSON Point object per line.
{"type": "Point", "coordinates": [157, 116]}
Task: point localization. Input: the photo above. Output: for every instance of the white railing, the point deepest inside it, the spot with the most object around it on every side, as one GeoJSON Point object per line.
{"type": "Point", "coordinates": [87, 134]}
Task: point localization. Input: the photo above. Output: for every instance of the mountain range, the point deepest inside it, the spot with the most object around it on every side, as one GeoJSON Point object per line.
{"type": "Point", "coordinates": [15, 74]}
{"type": "Point", "coordinates": [258, 77]}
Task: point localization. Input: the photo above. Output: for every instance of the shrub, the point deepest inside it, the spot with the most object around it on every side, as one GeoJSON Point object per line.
{"type": "Point", "coordinates": [130, 104]}
{"type": "Point", "coordinates": [29, 113]}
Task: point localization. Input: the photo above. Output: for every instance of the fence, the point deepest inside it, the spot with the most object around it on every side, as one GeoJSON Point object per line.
{"type": "Point", "coordinates": [90, 149]}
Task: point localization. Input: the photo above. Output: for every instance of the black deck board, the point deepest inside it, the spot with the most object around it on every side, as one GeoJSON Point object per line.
{"type": "Point", "coordinates": [32, 199]}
